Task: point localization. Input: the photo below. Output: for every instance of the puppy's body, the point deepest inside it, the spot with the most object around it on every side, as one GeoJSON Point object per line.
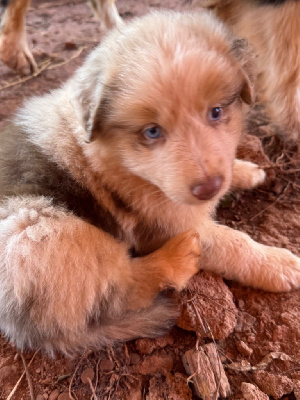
{"type": "Point", "coordinates": [130, 157]}
{"type": "Point", "coordinates": [273, 28]}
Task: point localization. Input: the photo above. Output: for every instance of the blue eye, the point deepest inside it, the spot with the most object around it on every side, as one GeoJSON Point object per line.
{"type": "Point", "coordinates": [215, 113]}
{"type": "Point", "coordinates": [153, 132]}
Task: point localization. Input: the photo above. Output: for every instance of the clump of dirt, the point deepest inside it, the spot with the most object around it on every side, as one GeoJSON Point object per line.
{"type": "Point", "coordinates": [247, 325]}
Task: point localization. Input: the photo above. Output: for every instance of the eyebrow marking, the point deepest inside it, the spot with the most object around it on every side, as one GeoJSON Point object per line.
{"type": "Point", "coordinates": [229, 100]}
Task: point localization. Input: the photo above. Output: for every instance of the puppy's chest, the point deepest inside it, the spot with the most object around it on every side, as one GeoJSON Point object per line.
{"type": "Point", "coordinates": [142, 234]}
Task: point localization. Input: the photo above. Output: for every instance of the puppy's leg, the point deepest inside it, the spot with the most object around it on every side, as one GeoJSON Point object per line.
{"type": "Point", "coordinates": [61, 277]}
{"type": "Point", "coordinates": [107, 13]}
{"type": "Point", "coordinates": [246, 175]}
{"type": "Point", "coordinates": [170, 266]}
{"type": "Point", "coordinates": [14, 50]}
{"type": "Point", "coordinates": [236, 256]}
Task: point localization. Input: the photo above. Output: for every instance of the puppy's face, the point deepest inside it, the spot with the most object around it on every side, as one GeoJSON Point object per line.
{"type": "Point", "coordinates": [172, 115]}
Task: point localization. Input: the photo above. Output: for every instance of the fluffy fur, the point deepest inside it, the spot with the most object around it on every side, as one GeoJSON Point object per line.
{"type": "Point", "coordinates": [14, 49]}
{"type": "Point", "coordinates": [273, 28]}
{"type": "Point", "coordinates": [97, 216]}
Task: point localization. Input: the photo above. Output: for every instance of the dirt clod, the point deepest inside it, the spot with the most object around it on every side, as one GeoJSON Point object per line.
{"type": "Point", "coordinates": [154, 364]}
{"type": "Point", "coordinates": [172, 388]}
{"type": "Point", "coordinates": [134, 358]}
{"type": "Point", "coordinates": [87, 375]}
{"type": "Point", "coordinates": [297, 389]}
{"type": "Point", "coordinates": [252, 392]}
{"type": "Point", "coordinates": [207, 307]}
{"type": "Point", "coordinates": [146, 346]}
{"type": "Point", "coordinates": [64, 396]}
{"type": "Point", "coordinates": [243, 348]}
{"type": "Point", "coordinates": [273, 385]}
{"type": "Point", "coordinates": [245, 322]}
{"type": "Point", "coordinates": [54, 394]}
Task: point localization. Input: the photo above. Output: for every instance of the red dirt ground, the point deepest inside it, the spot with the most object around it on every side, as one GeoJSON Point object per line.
{"type": "Point", "coordinates": [246, 324]}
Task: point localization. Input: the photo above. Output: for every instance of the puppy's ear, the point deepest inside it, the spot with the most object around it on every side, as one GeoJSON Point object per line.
{"type": "Point", "coordinates": [89, 90]}
{"type": "Point", "coordinates": [242, 52]}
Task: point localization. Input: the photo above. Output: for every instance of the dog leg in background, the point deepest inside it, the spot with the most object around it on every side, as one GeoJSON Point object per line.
{"type": "Point", "coordinates": [246, 175]}
{"type": "Point", "coordinates": [60, 276]}
{"type": "Point", "coordinates": [234, 255]}
{"type": "Point", "coordinates": [14, 50]}
{"type": "Point", "coordinates": [107, 13]}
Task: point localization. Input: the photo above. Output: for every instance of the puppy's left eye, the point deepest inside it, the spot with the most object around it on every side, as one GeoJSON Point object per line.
{"type": "Point", "coordinates": [215, 113]}
{"type": "Point", "coordinates": [153, 132]}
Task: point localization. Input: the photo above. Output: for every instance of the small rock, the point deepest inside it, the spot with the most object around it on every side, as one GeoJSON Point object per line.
{"type": "Point", "coordinates": [154, 364]}
{"type": "Point", "coordinates": [39, 397]}
{"type": "Point", "coordinates": [134, 358]}
{"type": "Point", "coordinates": [133, 391]}
{"type": "Point", "coordinates": [54, 394]}
{"type": "Point", "coordinates": [241, 304]}
{"type": "Point", "coordinates": [46, 381]}
{"type": "Point", "coordinates": [251, 338]}
{"type": "Point", "coordinates": [64, 396]}
{"type": "Point", "coordinates": [163, 341]}
{"type": "Point", "coordinates": [88, 374]}
{"type": "Point", "coordinates": [207, 302]}
{"type": "Point", "coordinates": [45, 396]}
{"type": "Point", "coordinates": [297, 389]}
{"type": "Point", "coordinates": [38, 370]}
{"type": "Point", "coordinates": [289, 317]}
{"type": "Point", "coordinates": [5, 372]}
{"type": "Point", "coordinates": [274, 385]}
{"type": "Point", "coordinates": [252, 392]}
{"type": "Point", "coordinates": [244, 322]}
{"type": "Point", "coordinates": [70, 46]}
{"type": "Point", "coordinates": [243, 348]}
{"type": "Point", "coordinates": [147, 346]}
{"type": "Point", "coordinates": [173, 388]}
{"type": "Point", "coordinates": [106, 365]}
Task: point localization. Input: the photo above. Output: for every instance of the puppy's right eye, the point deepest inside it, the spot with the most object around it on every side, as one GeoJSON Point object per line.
{"type": "Point", "coordinates": [215, 114]}
{"type": "Point", "coordinates": [153, 132]}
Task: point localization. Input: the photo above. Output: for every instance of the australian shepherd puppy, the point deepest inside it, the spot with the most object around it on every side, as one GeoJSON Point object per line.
{"type": "Point", "coordinates": [108, 187]}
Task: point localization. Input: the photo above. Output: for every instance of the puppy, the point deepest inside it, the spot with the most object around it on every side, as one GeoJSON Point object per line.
{"type": "Point", "coordinates": [14, 49]}
{"type": "Point", "coordinates": [273, 28]}
{"type": "Point", "coordinates": [109, 185]}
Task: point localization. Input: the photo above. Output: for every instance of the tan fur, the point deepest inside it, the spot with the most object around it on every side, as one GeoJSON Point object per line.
{"type": "Point", "coordinates": [68, 279]}
{"type": "Point", "coordinates": [14, 49]}
{"type": "Point", "coordinates": [274, 32]}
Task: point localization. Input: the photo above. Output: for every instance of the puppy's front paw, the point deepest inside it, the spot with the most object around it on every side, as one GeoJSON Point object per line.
{"type": "Point", "coordinates": [247, 175]}
{"type": "Point", "coordinates": [280, 271]}
{"type": "Point", "coordinates": [182, 254]}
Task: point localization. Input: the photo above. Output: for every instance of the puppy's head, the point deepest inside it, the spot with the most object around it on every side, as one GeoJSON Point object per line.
{"type": "Point", "coordinates": [166, 102]}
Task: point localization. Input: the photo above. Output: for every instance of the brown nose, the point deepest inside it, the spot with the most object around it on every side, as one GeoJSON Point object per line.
{"type": "Point", "coordinates": [208, 189]}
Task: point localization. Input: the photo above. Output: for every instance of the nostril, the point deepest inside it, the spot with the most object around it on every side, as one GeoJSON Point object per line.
{"type": "Point", "coordinates": [208, 189]}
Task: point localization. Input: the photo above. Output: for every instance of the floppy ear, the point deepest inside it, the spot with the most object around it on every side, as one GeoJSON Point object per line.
{"type": "Point", "coordinates": [90, 106]}
{"type": "Point", "coordinates": [88, 90]}
{"type": "Point", "coordinates": [245, 57]}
